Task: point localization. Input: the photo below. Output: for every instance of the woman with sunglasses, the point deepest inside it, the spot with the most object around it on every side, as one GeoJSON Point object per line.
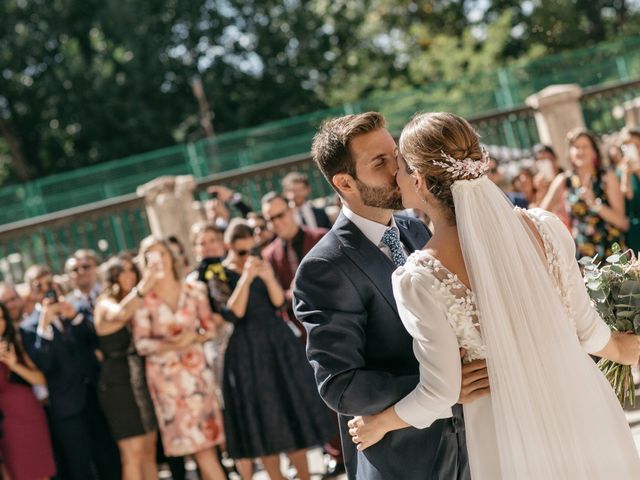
{"type": "Point", "coordinates": [271, 402]}
{"type": "Point", "coordinates": [123, 392]}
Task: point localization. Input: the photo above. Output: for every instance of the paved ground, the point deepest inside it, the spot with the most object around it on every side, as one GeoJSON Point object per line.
{"type": "Point", "coordinates": [317, 467]}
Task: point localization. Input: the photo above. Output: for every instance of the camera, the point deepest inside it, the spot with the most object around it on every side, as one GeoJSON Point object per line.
{"type": "Point", "coordinates": [256, 251]}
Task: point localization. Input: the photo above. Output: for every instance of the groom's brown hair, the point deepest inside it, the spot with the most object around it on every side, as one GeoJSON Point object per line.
{"type": "Point", "coordinates": [330, 148]}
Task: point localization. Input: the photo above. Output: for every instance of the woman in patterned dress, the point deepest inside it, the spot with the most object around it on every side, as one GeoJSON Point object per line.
{"type": "Point", "coordinates": [593, 198]}
{"type": "Point", "coordinates": [169, 331]}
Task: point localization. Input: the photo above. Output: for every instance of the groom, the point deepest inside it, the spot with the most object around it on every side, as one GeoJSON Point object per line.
{"type": "Point", "coordinates": [360, 351]}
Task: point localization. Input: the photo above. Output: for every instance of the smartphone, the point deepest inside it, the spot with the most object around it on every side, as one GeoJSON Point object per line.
{"type": "Point", "coordinates": [256, 251]}
{"type": "Point", "coordinates": [154, 258]}
{"type": "Point", "coordinates": [213, 194]}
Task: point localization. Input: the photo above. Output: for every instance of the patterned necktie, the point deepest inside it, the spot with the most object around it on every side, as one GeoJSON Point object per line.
{"type": "Point", "coordinates": [392, 240]}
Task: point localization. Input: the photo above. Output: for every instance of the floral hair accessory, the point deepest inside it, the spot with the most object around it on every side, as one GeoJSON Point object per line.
{"type": "Point", "coordinates": [466, 168]}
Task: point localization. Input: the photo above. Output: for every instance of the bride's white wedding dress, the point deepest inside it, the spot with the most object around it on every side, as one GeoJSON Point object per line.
{"type": "Point", "coordinates": [551, 413]}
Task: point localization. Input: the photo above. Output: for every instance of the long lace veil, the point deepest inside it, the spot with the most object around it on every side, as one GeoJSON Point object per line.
{"type": "Point", "coordinates": [548, 418]}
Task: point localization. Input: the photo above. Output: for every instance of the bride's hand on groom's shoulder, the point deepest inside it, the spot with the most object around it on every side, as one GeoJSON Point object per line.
{"type": "Point", "coordinates": [475, 380]}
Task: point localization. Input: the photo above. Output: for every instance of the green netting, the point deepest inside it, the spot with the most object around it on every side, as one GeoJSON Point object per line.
{"type": "Point", "coordinates": [501, 89]}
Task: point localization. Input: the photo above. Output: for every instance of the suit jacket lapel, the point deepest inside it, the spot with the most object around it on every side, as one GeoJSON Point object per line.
{"type": "Point", "coordinates": [408, 236]}
{"type": "Point", "coordinates": [367, 256]}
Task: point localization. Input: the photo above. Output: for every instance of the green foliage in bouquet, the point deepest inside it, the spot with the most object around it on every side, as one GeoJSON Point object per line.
{"type": "Point", "coordinates": [614, 288]}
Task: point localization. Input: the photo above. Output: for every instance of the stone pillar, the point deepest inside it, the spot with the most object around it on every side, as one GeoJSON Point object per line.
{"type": "Point", "coordinates": [170, 207]}
{"type": "Point", "coordinates": [557, 111]}
{"type": "Point", "coordinates": [630, 112]}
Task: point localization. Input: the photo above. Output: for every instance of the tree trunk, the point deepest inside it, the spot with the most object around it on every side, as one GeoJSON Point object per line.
{"type": "Point", "coordinates": [18, 162]}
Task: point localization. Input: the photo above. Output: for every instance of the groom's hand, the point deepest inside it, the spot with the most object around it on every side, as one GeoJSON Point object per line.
{"type": "Point", "coordinates": [475, 380]}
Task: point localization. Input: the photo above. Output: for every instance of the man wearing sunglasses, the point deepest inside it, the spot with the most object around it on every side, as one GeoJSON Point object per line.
{"type": "Point", "coordinates": [291, 244]}
{"type": "Point", "coordinates": [82, 271]}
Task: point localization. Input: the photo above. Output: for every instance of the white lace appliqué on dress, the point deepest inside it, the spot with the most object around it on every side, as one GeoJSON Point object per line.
{"type": "Point", "coordinates": [460, 302]}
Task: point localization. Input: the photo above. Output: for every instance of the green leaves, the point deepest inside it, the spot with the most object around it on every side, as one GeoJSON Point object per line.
{"type": "Point", "coordinates": [615, 290]}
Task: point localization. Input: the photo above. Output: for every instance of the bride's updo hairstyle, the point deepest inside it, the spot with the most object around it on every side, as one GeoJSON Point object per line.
{"type": "Point", "coordinates": [426, 138]}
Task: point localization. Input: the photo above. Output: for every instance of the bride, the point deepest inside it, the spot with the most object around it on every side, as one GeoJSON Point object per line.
{"type": "Point", "coordinates": [502, 284]}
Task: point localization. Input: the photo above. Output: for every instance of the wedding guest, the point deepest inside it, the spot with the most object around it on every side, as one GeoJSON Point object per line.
{"type": "Point", "coordinates": [296, 189]}
{"type": "Point", "coordinates": [229, 198]}
{"type": "Point", "coordinates": [593, 198]}
{"type": "Point", "coordinates": [210, 250]}
{"type": "Point", "coordinates": [13, 301]}
{"type": "Point", "coordinates": [24, 426]}
{"type": "Point", "coordinates": [523, 194]}
{"type": "Point", "coordinates": [292, 243]}
{"type": "Point", "coordinates": [271, 403]}
{"type": "Point", "coordinates": [169, 331]}
{"type": "Point", "coordinates": [123, 389]}
{"type": "Point", "coordinates": [261, 232]}
{"type": "Point", "coordinates": [82, 270]}
{"type": "Point", "coordinates": [629, 168]}
{"type": "Point", "coordinates": [614, 152]}
{"type": "Point", "coordinates": [547, 169]}
{"type": "Point", "coordinates": [61, 341]}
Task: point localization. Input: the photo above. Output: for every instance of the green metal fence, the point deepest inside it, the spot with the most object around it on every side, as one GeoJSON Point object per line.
{"type": "Point", "coordinates": [502, 89]}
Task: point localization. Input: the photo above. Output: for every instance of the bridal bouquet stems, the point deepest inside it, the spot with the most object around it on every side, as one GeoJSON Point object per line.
{"type": "Point", "coordinates": [614, 288]}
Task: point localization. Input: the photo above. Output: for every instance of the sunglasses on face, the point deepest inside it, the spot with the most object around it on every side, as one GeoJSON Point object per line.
{"type": "Point", "coordinates": [81, 268]}
{"type": "Point", "coordinates": [242, 253]}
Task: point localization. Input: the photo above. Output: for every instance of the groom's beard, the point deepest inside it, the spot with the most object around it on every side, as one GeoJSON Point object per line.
{"type": "Point", "coordinates": [381, 197]}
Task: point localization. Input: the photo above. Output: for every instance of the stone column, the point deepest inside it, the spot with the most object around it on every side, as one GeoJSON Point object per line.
{"type": "Point", "coordinates": [630, 111]}
{"type": "Point", "coordinates": [170, 207]}
{"type": "Point", "coordinates": [557, 111]}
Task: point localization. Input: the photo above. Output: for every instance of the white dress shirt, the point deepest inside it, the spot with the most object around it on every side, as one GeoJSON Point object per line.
{"type": "Point", "coordinates": [305, 216]}
{"type": "Point", "coordinates": [374, 230]}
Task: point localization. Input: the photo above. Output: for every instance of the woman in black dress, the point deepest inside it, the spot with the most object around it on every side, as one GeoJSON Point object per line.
{"type": "Point", "coordinates": [271, 402]}
{"type": "Point", "coordinates": [123, 389]}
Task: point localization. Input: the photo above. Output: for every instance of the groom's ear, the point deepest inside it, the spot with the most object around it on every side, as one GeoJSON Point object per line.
{"type": "Point", "coordinates": [343, 182]}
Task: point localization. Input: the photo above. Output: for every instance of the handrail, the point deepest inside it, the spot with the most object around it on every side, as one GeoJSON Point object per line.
{"type": "Point", "coordinates": [51, 219]}
{"type": "Point", "coordinates": [600, 89]}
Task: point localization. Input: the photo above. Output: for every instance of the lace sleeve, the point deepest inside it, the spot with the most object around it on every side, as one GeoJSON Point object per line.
{"type": "Point", "coordinates": [592, 332]}
{"type": "Point", "coordinates": [434, 345]}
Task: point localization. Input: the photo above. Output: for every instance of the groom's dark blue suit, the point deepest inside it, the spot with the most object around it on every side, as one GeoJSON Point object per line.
{"type": "Point", "coordinates": [363, 356]}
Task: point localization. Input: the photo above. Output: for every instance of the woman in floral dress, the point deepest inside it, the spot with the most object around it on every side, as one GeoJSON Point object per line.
{"type": "Point", "coordinates": [594, 200]}
{"type": "Point", "coordinates": [169, 331]}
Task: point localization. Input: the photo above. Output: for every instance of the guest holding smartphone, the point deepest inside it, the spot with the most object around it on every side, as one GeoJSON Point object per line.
{"type": "Point", "coordinates": [271, 402]}
{"type": "Point", "coordinates": [24, 426]}
{"type": "Point", "coordinates": [123, 389]}
{"type": "Point", "coordinates": [629, 171]}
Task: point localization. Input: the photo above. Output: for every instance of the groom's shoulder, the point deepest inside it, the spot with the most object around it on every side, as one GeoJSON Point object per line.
{"type": "Point", "coordinates": [327, 248]}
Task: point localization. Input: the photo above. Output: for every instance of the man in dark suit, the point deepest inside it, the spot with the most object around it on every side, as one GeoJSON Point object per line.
{"type": "Point", "coordinates": [291, 244]}
{"type": "Point", "coordinates": [296, 189]}
{"type": "Point", "coordinates": [361, 353]}
{"type": "Point", "coordinates": [62, 342]}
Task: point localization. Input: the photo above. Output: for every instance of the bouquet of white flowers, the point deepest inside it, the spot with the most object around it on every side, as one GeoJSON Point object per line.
{"type": "Point", "coordinates": [614, 288]}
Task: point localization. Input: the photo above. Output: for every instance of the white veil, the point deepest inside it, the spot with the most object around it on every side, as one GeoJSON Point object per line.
{"type": "Point", "coordinates": [550, 421]}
